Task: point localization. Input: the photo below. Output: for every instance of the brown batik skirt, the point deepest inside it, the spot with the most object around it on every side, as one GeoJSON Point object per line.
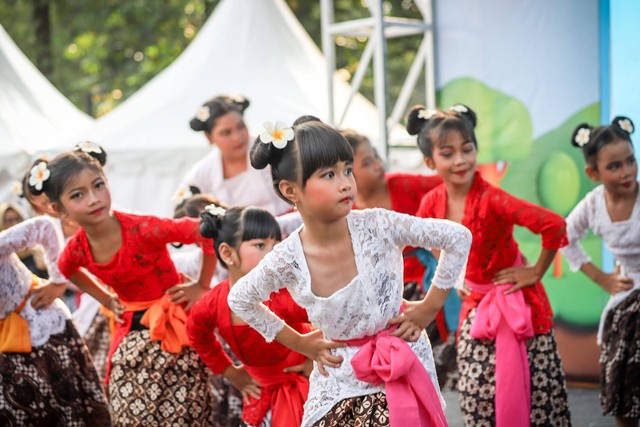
{"type": "Point", "coordinates": [54, 385]}
{"type": "Point", "coordinates": [98, 340]}
{"type": "Point", "coordinates": [150, 387]}
{"type": "Point", "coordinates": [477, 385]}
{"type": "Point", "coordinates": [370, 410]}
{"type": "Point", "coordinates": [620, 359]}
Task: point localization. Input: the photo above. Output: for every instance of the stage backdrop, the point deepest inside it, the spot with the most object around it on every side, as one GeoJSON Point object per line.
{"type": "Point", "coordinates": [531, 71]}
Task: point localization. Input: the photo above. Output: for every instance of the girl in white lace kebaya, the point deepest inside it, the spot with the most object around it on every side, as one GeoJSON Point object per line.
{"type": "Point", "coordinates": [612, 212]}
{"type": "Point", "coordinates": [373, 362]}
{"type": "Point", "coordinates": [46, 373]}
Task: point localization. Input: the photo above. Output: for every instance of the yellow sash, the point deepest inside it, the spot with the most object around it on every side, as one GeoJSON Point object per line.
{"type": "Point", "coordinates": [14, 329]}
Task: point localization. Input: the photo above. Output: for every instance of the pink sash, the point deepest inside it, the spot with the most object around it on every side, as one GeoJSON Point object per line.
{"type": "Point", "coordinates": [507, 320]}
{"type": "Point", "coordinates": [411, 395]}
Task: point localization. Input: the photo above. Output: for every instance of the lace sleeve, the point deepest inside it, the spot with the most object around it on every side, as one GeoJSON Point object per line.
{"type": "Point", "coordinates": [169, 230]}
{"type": "Point", "coordinates": [40, 230]}
{"type": "Point", "coordinates": [246, 296]}
{"type": "Point", "coordinates": [577, 227]}
{"type": "Point", "coordinates": [550, 225]}
{"type": "Point", "coordinates": [453, 239]}
{"type": "Point", "coordinates": [289, 222]}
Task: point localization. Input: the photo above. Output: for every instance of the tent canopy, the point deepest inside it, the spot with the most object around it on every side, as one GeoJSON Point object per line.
{"type": "Point", "coordinates": [34, 115]}
{"type": "Point", "coordinates": [256, 48]}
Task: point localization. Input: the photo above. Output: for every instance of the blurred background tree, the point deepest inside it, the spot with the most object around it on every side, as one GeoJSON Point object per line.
{"type": "Point", "coordinates": [99, 53]}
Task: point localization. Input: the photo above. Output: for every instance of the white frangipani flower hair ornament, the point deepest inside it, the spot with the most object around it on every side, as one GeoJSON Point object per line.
{"type": "Point", "coordinates": [88, 147]}
{"type": "Point", "coordinates": [279, 134]}
{"type": "Point", "coordinates": [16, 188]}
{"type": "Point", "coordinates": [459, 108]}
{"type": "Point", "coordinates": [182, 195]}
{"type": "Point", "coordinates": [427, 114]}
{"type": "Point", "coordinates": [203, 113]}
{"type": "Point", "coordinates": [582, 137]}
{"type": "Point", "coordinates": [38, 175]}
{"type": "Point", "coordinates": [215, 210]}
{"type": "Point", "coordinates": [626, 125]}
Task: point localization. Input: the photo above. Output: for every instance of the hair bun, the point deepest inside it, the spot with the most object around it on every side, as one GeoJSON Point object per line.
{"type": "Point", "coordinates": [623, 123]}
{"type": "Point", "coordinates": [581, 135]}
{"type": "Point", "coordinates": [466, 112]}
{"type": "Point", "coordinates": [94, 150]}
{"type": "Point", "coordinates": [240, 103]}
{"type": "Point", "coordinates": [211, 221]}
{"type": "Point", "coordinates": [417, 118]}
{"type": "Point", "coordinates": [261, 154]}
{"type": "Point", "coordinates": [37, 176]}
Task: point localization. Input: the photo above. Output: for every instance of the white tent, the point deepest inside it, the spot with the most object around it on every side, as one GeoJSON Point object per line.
{"type": "Point", "coordinates": [256, 48]}
{"type": "Point", "coordinates": [34, 116]}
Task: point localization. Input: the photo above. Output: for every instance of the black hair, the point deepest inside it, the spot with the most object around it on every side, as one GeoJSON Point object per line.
{"type": "Point", "coordinates": [213, 109]}
{"type": "Point", "coordinates": [315, 145]}
{"type": "Point", "coordinates": [237, 225]}
{"type": "Point", "coordinates": [591, 139]}
{"type": "Point", "coordinates": [27, 190]}
{"type": "Point", "coordinates": [194, 205]}
{"type": "Point", "coordinates": [94, 150]}
{"type": "Point", "coordinates": [62, 169]}
{"type": "Point", "coordinates": [354, 138]}
{"type": "Point", "coordinates": [430, 125]}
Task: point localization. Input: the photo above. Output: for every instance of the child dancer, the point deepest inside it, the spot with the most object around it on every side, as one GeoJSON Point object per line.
{"type": "Point", "coordinates": [345, 268]}
{"type": "Point", "coordinates": [242, 236]}
{"type": "Point", "coordinates": [155, 378]}
{"type": "Point", "coordinates": [509, 366]}
{"type": "Point", "coordinates": [612, 212]}
{"type": "Point", "coordinates": [46, 373]}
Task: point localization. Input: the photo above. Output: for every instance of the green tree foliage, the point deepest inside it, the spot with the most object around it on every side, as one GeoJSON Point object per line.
{"type": "Point", "coordinates": [101, 52]}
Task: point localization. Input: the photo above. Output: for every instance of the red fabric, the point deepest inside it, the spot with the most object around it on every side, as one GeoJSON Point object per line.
{"type": "Point", "coordinates": [406, 191]}
{"type": "Point", "coordinates": [490, 213]}
{"type": "Point", "coordinates": [211, 313]}
{"type": "Point", "coordinates": [142, 269]}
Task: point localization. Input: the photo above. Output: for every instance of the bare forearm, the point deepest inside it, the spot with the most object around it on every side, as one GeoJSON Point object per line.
{"type": "Point", "coordinates": [434, 300]}
{"type": "Point", "coordinates": [592, 272]}
{"type": "Point", "coordinates": [206, 272]}
{"type": "Point", "coordinates": [88, 285]}
{"type": "Point", "coordinates": [544, 261]}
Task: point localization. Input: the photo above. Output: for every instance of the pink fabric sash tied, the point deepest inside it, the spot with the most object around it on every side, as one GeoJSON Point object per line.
{"type": "Point", "coordinates": [411, 395]}
{"type": "Point", "coordinates": [507, 320]}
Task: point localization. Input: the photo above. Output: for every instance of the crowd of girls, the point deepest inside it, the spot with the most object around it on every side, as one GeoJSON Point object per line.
{"type": "Point", "coordinates": [307, 283]}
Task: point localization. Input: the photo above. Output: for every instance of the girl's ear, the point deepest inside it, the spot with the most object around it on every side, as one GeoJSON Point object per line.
{"type": "Point", "coordinates": [58, 210]}
{"type": "Point", "coordinates": [592, 173]}
{"type": "Point", "coordinates": [228, 254]}
{"type": "Point", "coordinates": [429, 162]}
{"type": "Point", "coordinates": [289, 190]}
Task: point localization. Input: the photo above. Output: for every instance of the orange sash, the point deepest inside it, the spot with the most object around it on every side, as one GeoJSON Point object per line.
{"type": "Point", "coordinates": [167, 322]}
{"type": "Point", "coordinates": [14, 329]}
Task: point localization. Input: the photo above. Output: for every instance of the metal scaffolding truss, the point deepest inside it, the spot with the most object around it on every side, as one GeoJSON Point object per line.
{"type": "Point", "coordinates": [377, 29]}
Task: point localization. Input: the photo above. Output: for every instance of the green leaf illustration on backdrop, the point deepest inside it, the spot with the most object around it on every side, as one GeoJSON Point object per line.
{"type": "Point", "coordinates": [552, 176]}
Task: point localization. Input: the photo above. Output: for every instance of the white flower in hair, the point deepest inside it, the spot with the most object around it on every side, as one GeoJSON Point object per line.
{"type": "Point", "coordinates": [278, 134]}
{"type": "Point", "coordinates": [203, 113]}
{"type": "Point", "coordinates": [426, 114]}
{"type": "Point", "coordinates": [38, 175]}
{"type": "Point", "coordinates": [582, 137]}
{"type": "Point", "coordinates": [16, 188]}
{"type": "Point", "coordinates": [625, 125]}
{"type": "Point", "coordinates": [215, 210]}
{"type": "Point", "coordinates": [459, 108]}
{"type": "Point", "coordinates": [89, 147]}
{"type": "Point", "coordinates": [182, 195]}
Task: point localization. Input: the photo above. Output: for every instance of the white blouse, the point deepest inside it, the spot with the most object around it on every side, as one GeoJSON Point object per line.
{"type": "Point", "coordinates": [15, 278]}
{"type": "Point", "coordinates": [365, 305]}
{"type": "Point", "coordinates": [622, 238]}
{"type": "Point", "coordinates": [251, 187]}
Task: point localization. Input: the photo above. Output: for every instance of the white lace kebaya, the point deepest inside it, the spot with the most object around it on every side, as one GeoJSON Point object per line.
{"type": "Point", "coordinates": [15, 278]}
{"type": "Point", "coordinates": [621, 237]}
{"type": "Point", "coordinates": [365, 305]}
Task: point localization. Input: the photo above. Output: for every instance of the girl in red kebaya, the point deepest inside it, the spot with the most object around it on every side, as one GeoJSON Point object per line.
{"type": "Point", "coordinates": [272, 379]}
{"type": "Point", "coordinates": [509, 365]}
{"type": "Point", "coordinates": [155, 378]}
